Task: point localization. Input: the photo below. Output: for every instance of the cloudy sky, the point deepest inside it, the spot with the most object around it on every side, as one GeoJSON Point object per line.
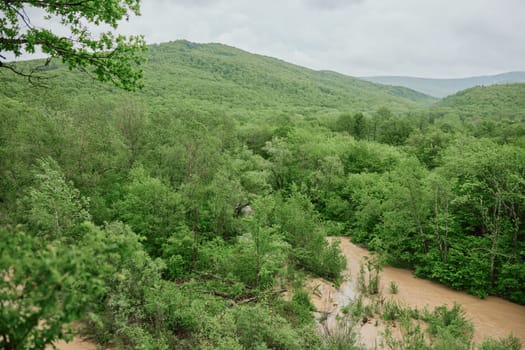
{"type": "Point", "coordinates": [430, 38]}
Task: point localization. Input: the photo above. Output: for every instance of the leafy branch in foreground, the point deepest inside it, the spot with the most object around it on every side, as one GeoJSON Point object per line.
{"type": "Point", "coordinates": [42, 289]}
{"type": "Point", "coordinates": [110, 57]}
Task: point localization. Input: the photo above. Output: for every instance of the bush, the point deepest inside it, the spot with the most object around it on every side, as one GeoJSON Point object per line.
{"type": "Point", "coordinates": [52, 286]}
{"type": "Point", "coordinates": [510, 282]}
{"type": "Point", "coordinates": [177, 253]}
{"type": "Point", "coordinates": [333, 262]}
{"type": "Point", "coordinates": [450, 325]}
{"type": "Point", "coordinates": [394, 287]}
{"type": "Point", "coordinates": [507, 343]}
{"type": "Point", "coordinates": [391, 311]}
{"type": "Point", "coordinates": [258, 328]}
{"type": "Point", "coordinates": [368, 281]}
{"type": "Point", "coordinates": [297, 311]}
{"type": "Point", "coordinates": [219, 333]}
{"type": "Point", "coordinates": [413, 337]}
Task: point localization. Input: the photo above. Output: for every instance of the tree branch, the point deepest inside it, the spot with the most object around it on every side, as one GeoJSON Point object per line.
{"type": "Point", "coordinates": [13, 41]}
{"type": "Point", "coordinates": [22, 14]}
{"type": "Point", "coordinates": [33, 79]}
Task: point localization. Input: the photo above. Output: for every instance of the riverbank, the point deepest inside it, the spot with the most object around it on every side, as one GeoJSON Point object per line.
{"type": "Point", "coordinates": [491, 317]}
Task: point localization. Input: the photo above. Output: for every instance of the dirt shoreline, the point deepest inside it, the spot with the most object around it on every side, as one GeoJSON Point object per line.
{"type": "Point", "coordinates": [491, 317]}
{"type": "Point", "coordinates": [75, 344]}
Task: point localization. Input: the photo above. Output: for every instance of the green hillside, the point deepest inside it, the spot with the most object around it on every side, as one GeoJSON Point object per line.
{"type": "Point", "coordinates": [445, 87]}
{"type": "Point", "coordinates": [234, 78]}
{"type": "Point", "coordinates": [213, 77]}
{"type": "Point", "coordinates": [494, 102]}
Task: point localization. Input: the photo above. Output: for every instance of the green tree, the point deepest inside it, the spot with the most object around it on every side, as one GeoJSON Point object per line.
{"type": "Point", "coordinates": [442, 218]}
{"type": "Point", "coordinates": [360, 126]}
{"type": "Point", "coordinates": [302, 229]}
{"type": "Point", "coordinates": [407, 209]}
{"type": "Point", "coordinates": [110, 57]}
{"type": "Point", "coordinates": [55, 205]}
{"type": "Point", "coordinates": [224, 194]}
{"type": "Point", "coordinates": [282, 157]}
{"type": "Point", "coordinates": [326, 188]}
{"type": "Point", "coordinates": [381, 115]}
{"type": "Point", "coordinates": [262, 245]}
{"type": "Point", "coordinates": [345, 122]}
{"type": "Point", "coordinates": [42, 290]}
{"type": "Point", "coordinates": [492, 185]}
{"type": "Point", "coordinates": [394, 131]}
{"type": "Point", "coordinates": [151, 209]}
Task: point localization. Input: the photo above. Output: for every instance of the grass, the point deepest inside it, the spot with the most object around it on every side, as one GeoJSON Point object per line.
{"type": "Point", "coordinates": [369, 276]}
{"type": "Point", "coordinates": [394, 287]}
{"type": "Point", "coordinates": [392, 311]}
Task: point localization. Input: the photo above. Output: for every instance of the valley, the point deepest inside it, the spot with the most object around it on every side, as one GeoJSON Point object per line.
{"type": "Point", "coordinates": [193, 213]}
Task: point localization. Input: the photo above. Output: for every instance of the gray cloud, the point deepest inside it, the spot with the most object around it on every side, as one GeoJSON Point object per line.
{"type": "Point", "coordinates": [331, 4]}
{"type": "Point", "coordinates": [435, 38]}
{"type": "Point", "coordinates": [192, 3]}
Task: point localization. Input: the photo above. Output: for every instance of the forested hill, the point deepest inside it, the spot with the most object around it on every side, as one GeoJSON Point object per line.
{"type": "Point", "coordinates": [213, 77]}
{"type": "Point", "coordinates": [232, 77]}
{"type": "Point", "coordinates": [494, 102]}
{"type": "Point", "coordinates": [445, 87]}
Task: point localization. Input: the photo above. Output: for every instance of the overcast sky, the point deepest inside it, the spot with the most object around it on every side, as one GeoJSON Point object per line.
{"type": "Point", "coordinates": [430, 38]}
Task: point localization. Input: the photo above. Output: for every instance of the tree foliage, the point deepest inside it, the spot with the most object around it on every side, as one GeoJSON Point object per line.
{"type": "Point", "coordinates": [55, 206]}
{"type": "Point", "coordinates": [42, 289]}
{"type": "Point", "coordinates": [109, 57]}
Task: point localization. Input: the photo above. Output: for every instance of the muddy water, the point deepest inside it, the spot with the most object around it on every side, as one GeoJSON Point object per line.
{"type": "Point", "coordinates": [75, 344]}
{"type": "Point", "coordinates": [492, 317]}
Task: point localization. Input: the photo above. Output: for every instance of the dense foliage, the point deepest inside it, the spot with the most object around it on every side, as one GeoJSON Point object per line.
{"type": "Point", "coordinates": [64, 33]}
{"type": "Point", "coordinates": [191, 205]}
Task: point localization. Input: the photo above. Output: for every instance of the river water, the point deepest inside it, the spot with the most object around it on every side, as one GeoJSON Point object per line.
{"type": "Point", "coordinates": [492, 317]}
{"type": "Point", "coordinates": [75, 344]}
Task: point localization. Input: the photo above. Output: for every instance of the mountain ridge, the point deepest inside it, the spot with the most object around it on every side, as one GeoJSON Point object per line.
{"type": "Point", "coordinates": [249, 72]}
{"type": "Point", "coordinates": [442, 87]}
{"type": "Point", "coordinates": [211, 77]}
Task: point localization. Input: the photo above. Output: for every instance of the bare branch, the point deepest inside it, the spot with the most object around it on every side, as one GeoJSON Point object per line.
{"type": "Point", "coordinates": [22, 14]}
{"type": "Point", "coordinates": [32, 78]}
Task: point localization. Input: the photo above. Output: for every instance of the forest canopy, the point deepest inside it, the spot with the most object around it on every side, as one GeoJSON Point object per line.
{"type": "Point", "coordinates": [190, 214]}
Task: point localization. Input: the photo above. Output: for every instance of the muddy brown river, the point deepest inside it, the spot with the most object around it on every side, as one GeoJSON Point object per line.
{"type": "Point", "coordinates": [491, 317]}
{"type": "Point", "coordinates": [75, 344]}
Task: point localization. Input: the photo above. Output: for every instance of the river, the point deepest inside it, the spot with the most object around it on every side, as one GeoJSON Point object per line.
{"type": "Point", "coordinates": [75, 344]}
{"type": "Point", "coordinates": [491, 317]}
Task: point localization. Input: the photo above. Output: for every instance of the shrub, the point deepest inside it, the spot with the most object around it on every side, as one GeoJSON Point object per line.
{"type": "Point", "coordinates": [446, 325]}
{"type": "Point", "coordinates": [391, 311]}
{"type": "Point", "coordinates": [368, 281]}
{"type": "Point", "coordinates": [258, 328]}
{"type": "Point", "coordinates": [508, 343]}
{"type": "Point", "coordinates": [413, 337]}
{"type": "Point", "coordinates": [394, 287]}
{"type": "Point", "coordinates": [297, 311]}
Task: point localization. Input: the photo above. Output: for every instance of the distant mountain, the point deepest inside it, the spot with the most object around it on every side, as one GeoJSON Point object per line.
{"type": "Point", "coordinates": [182, 75]}
{"type": "Point", "coordinates": [444, 87]}
{"type": "Point", "coordinates": [493, 102]}
{"type": "Point", "coordinates": [236, 79]}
